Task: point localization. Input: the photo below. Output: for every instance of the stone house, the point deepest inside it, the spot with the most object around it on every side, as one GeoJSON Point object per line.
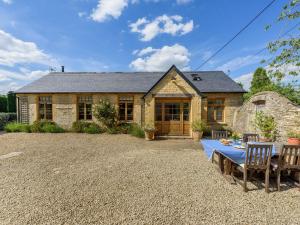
{"type": "Point", "coordinates": [171, 101]}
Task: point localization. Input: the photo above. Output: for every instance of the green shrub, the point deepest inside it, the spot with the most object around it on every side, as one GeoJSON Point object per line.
{"type": "Point", "coordinates": [106, 113]}
{"type": "Point", "coordinates": [79, 126]}
{"type": "Point", "coordinates": [136, 131]}
{"type": "Point", "coordinates": [93, 128]}
{"type": "Point", "coordinates": [36, 127]}
{"type": "Point", "coordinates": [52, 128]}
{"type": "Point", "coordinates": [5, 118]}
{"type": "Point", "coordinates": [113, 130]}
{"type": "Point", "coordinates": [199, 126]}
{"type": "Point", "coordinates": [17, 127]}
{"type": "Point", "coordinates": [87, 127]}
{"type": "Point", "coordinates": [294, 134]}
{"type": "Point", "coordinates": [266, 124]}
{"type": "Point", "coordinates": [46, 127]}
{"type": "Point", "coordinates": [124, 128]}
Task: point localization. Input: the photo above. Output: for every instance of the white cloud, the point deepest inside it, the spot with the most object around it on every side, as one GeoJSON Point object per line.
{"type": "Point", "coordinates": [145, 51]}
{"type": "Point", "coordinates": [163, 24]}
{"type": "Point", "coordinates": [81, 14]}
{"type": "Point", "coordinates": [239, 62]}
{"type": "Point", "coordinates": [13, 80]}
{"type": "Point", "coordinates": [181, 2]}
{"type": "Point", "coordinates": [9, 86]}
{"type": "Point", "coordinates": [7, 1]}
{"type": "Point", "coordinates": [16, 57]}
{"type": "Point", "coordinates": [161, 59]}
{"type": "Point", "coordinates": [246, 79]}
{"type": "Point", "coordinates": [107, 9]}
{"type": "Point", "coordinates": [23, 74]}
{"type": "Point", "coordinates": [15, 51]}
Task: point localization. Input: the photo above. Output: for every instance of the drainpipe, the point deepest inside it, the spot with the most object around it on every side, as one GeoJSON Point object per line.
{"type": "Point", "coordinates": [142, 106]}
{"type": "Point", "coordinates": [18, 113]}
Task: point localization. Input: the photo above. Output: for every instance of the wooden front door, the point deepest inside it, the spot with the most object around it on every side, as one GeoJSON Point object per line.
{"type": "Point", "coordinates": [172, 117]}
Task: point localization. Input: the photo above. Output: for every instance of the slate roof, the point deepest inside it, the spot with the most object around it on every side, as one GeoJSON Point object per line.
{"type": "Point", "coordinates": [122, 82]}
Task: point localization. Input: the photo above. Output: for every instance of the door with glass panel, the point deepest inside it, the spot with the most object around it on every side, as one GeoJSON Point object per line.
{"type": "Point", "coordinates": [172, 117]}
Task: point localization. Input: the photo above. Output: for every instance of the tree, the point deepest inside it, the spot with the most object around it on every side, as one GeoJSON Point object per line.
{"type": "Point", "coordinates": [287, 50]}
{"type": "Point", "coordinates": [11, 102]}
{"type": "Point", "coordinates": [262, 82]}
{"type": "Point", "coordinates": [241, 84]}
{"type": "Point", "coordinates": [259, 81]}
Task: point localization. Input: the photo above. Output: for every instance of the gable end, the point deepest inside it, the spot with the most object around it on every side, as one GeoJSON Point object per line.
{"type": "Point", "coordinates": [181, 75]}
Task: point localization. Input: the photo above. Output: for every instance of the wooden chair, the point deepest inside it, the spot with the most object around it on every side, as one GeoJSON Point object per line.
{"type": "Point", "coordinates": [250, 138]}
{"type": "Point", "coordinates": [219, 134]}
{"type": "Point", "coordinates": [258, 158]}
{"type": "Point", "coordinates": [289, 160]}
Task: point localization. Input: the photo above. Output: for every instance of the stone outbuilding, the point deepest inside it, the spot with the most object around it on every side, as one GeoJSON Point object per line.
{"type": "Point", "coordinates": [285, 113]}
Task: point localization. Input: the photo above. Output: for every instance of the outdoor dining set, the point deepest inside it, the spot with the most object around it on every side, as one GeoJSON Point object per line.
{"type": "Point", "coordinates": [248, 156]}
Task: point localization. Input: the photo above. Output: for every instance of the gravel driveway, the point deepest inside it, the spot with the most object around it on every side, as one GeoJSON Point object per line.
{"type": "Point", "coordinates": [118, 179]}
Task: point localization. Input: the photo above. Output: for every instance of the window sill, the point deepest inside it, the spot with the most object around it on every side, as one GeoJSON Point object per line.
{"type": "Point", "coordinates": [213, 123]}
{"type": "Point", "coordinates": [45, 120]}
{"type": "Point", "coordinates": [124, 121]}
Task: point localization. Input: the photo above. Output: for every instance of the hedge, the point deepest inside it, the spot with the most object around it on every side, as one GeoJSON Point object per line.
{"type": "Point", "coordinates": [14, 127]}
{"type": "Point", "coordinates": [6, 118]}
{"type": "Point", "coordinates": [87, 127]}
{"type": "Point", "coordinates": [36, 127]}
{"type": "Point", "coordinates": [3, 103]}
{"type": "Point", "coordinates": [11, 102]}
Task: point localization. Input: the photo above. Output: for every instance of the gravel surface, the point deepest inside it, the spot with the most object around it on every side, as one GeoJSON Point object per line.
{"type": "Point", "coordinates": [118, 179]}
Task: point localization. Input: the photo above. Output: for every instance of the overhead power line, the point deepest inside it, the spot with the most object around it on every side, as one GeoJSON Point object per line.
{"type": "Point", "coordinates": [281, 36]}
{"type": "Point", "coordinates": [236, 35]}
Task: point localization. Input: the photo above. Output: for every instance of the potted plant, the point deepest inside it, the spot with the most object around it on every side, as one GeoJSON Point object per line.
{"type": "Point", "coordinates": [294, 138]}
{"type": "Point", "coordinates": [149, 132]}
{"type": "Point", "coordinates": [267, 125]}
{"type": "Point", "coordinates": [198, 127]}
{"type": "Point", "coordinates": [235, 136]}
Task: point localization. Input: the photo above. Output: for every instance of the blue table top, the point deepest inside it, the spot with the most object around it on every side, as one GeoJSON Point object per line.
{"type": "Point", "coordinates": [236, 155]}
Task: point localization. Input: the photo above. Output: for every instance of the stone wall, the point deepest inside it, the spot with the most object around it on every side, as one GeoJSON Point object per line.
{"type": "Point", "coordinates": [64, 108]}
{"type": "Point", "coordinates": [65, 111]}
{"type": "Point", "coordinates": [286, 114]}
{"type": "Point", "coordinates": [232, 101]}
{"type": "Point", "coordinates": [114, 99]}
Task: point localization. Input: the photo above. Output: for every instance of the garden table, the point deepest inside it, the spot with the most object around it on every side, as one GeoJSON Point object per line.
{"type": "Point", "coordinates": [227, 154]}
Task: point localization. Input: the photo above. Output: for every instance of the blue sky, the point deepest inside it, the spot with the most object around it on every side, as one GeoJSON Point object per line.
{"type": "Point", "coordinates": [131, 35]}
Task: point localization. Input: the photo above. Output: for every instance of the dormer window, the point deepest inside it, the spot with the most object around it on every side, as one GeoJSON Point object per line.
{"type": "Point", "coordinates": [196, 77]}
